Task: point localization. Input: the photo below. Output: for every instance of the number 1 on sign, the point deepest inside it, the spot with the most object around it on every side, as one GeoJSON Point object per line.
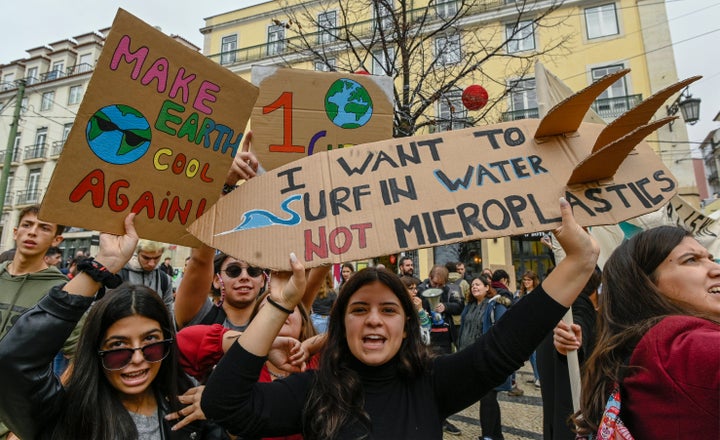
{"type": "Point", "coordinates": [284, 101]}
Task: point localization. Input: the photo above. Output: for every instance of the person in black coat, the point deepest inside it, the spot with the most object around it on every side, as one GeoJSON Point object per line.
{"type": "Point", "coordinates": [553, 366]}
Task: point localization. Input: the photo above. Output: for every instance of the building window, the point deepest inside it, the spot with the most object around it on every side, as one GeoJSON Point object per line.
{"type": "Point", "coordinates": [85, 63]}
{"type": "Point", "coordinates": [16, 149]}
{"type": "Point", "coordinates": [523, 99]}
{"type": "Point", "coordinates": [327, 27]}
{"type": "Point", "coordinates": [325, 65]}
{"type": "Point", "coordinates": [383, 15]}
{"type": "Point", "coordinates": [75, 96]}
{"type": "Point", "coordinates": [520, 37]}
{"type": "Point", "coordinates": [228, 50]}
{"type": "Point", "coordinates": [452, 114]}
{"type": "Point", "coordinates": [32, 193]}
{"type": "Point", "coordinates": [32, 75]}
{"type": "Point", "coordinates": [66, 131]}
{"type": "Point", "coordinates": [612, 100]}
{"type": "Point", "coordinates": [276, 40]}
{"type": "Point", "coordinates": [47, 101]}
{"type": "Point", "coordinates": [8, 81]}
{"type": "Point", "coordinates": [383, 62]}
{"type": "Point", "coordinates": [56, 71]}
{"type": "Point", "coordinates": [446, 8]}
{"type": "Point", "coordinates": [601, 21]}
{"type": "Point", "coordinates": [8, 192]}
{"type": "Point", "coordinates": [447, 49]}
{"type": "Point", "coordinates": [38, 150]}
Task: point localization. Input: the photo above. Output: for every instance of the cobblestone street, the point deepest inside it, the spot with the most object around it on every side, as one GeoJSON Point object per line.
{"type": "Point", "coordinates": [521, 416]}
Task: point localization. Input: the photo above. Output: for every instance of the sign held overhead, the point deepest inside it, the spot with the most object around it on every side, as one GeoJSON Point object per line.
{"type": "Point", "coordinates": [155, 134]}
{"type": "Point", "coordinates": [399, 194]}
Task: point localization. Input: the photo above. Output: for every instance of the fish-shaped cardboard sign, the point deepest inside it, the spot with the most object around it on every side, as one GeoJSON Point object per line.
{"type": "Point", "coordinates": [156, 133]}
{"type": "Point", "coordinates": [408, 193]}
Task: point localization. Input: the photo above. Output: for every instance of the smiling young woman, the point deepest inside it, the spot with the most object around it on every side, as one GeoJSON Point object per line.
{"type": "Point", "coordinates": [124, 378]}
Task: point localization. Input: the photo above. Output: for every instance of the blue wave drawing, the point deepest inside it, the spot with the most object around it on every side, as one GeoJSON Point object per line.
{"type": "Point", "coordinates": [260, 218]}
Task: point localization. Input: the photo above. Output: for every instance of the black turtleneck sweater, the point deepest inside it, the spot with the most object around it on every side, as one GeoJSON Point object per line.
{"type": "Point", "coordinates": [399, 408]}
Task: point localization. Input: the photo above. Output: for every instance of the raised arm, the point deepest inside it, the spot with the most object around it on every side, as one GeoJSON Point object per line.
{"type": "Point", "coordinates": [31, 393]}
{"type": "Point", "coordinates": [193, 290]}
{"type": "Point", "coordinates": [227, 397]}
{"type": "Point", "coordinates": [569, 277]}
{"type": "Point", "coordinates": [115, 251]}
{"type": "Point", "coordinates": [315, 279]}
{"type": "Point", "coordinates": [286, 291]}
{"type": "Point", "coordinates": [194, 287]}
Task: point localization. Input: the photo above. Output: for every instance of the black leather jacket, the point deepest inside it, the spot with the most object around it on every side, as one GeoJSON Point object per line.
{"type": "Point", "coordinates": [32, 396]}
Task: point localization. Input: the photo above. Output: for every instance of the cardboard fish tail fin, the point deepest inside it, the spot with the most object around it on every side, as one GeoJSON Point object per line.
{"type": "Point", "coordinates": [604, 163]}
{"type": "Point", "coordinates": [638, 115]}
{"type": "Point", "coordinates": [567, 116]}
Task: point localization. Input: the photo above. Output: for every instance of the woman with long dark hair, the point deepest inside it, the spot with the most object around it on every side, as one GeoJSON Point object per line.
{"type": "Point", "coordinates": [124, 378]}
{"type": "Point", "coordinates": [376, 378]}
{"type": "Point", "coordinates": [658, 347]}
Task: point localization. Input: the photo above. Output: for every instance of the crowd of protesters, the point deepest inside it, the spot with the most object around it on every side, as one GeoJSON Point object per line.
{"type": "Point", "coordinates": [110, 350]}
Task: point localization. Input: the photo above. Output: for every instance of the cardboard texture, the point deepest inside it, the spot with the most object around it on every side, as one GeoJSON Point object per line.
{"type": "Point", "coordinates": [155, 134]}
{"type": "Point", "coordinates": [677, 212]}
{"type": "Point", "coordinates": [303, 112]}
{"type": "Point", "coordinates": [408, 193]}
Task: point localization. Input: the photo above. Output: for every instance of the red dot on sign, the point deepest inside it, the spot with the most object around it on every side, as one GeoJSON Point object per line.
{"type": "Point", "coordinates": [474, 97]}
{"type": "Point", "coordinates": [362, 72]}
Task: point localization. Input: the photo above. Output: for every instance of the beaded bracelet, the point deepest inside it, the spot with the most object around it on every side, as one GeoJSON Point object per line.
{"type": "Point", "coordinates": [278, 306]}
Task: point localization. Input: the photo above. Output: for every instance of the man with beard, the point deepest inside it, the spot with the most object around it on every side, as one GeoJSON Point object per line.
{"type": "Point", "coordinates": [406, 266]}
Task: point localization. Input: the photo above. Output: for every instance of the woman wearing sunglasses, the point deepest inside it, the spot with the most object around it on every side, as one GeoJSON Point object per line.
{"type": "Point", "coordinates": [124, 380]}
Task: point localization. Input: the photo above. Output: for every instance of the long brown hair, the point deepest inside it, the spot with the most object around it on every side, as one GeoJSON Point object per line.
{"type": "Point", "coordinates": [630, 304]}
{"type": "Point", "coordinates": [531, 275]}
{"type": "Point", "coordinates": [336, 398]}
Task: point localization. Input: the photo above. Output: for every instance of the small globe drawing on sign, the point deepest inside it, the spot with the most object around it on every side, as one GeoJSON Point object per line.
{"type": "Point", "coordinates": [118, 134]}
{"type": "Point", "coordinates": [348, 104]}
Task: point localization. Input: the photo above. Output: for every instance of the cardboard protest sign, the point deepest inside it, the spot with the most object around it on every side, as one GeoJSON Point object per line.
{"type": "Point", "coordinates": [409, 193]}
{"type": "Point", "coordinates": [156, 133]}
{"type": "Point", "coordinates": [303, 112]}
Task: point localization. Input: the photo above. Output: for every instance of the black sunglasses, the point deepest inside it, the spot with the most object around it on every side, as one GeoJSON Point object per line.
{"type": "Point", "coordinates": [133, 139]}
{"type": "Point", "coordinates": [119, 358]}
{"type": "Point", "coordinates": [234, 271]}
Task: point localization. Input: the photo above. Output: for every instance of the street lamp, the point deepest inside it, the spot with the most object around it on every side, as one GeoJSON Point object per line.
{"type": "Point", "coordinates": [689, 107]}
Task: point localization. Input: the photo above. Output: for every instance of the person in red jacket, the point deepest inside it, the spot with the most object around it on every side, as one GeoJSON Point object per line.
{"type": "Point", "coordinates": [659, 340]}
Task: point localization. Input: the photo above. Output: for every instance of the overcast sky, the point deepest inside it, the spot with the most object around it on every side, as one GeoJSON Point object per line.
{"type": "Point", "coordinates": [694, 26]}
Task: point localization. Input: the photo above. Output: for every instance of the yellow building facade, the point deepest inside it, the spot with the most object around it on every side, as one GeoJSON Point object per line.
{"type": "Point", "coordinates": [577, 40]}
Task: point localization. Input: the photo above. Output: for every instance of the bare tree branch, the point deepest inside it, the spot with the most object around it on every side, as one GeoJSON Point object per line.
{"type": "Point", "coordinates": [431, 52]}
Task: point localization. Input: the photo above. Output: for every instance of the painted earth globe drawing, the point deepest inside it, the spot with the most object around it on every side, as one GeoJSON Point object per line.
{"type": "Point", "coordinates": [118, 134]}
{"type": "Point", "coordinates": [348, 104]}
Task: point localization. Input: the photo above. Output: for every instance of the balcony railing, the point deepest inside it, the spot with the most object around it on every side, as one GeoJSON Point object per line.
{"type": "Point", "coordinates": [359, 30]}
{"type": "Point", "coordinates": [36, 151]}
{"type": "Point", "coordinates": [611, 108]}
{"type": "Point", "coordinates": [514, 115]}
{"type": "Point", "coordinates": [28, 197]}
{"type": "Point", "coordinates": [16, 155]}
{"type": "Point", "coordinates": [607, 108]}
{"type": "Point", "coordinates": [56, 148]}
{"type": "Point", "coordinates": [51, 75]}
{"type": "Point", "coordinates": [79, 68]}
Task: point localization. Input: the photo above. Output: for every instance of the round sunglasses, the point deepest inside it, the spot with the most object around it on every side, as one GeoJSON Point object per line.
{"type": "Point", "coordinates": [119, 358]}
{"type": "Point", "coordinates": [234, 271]}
